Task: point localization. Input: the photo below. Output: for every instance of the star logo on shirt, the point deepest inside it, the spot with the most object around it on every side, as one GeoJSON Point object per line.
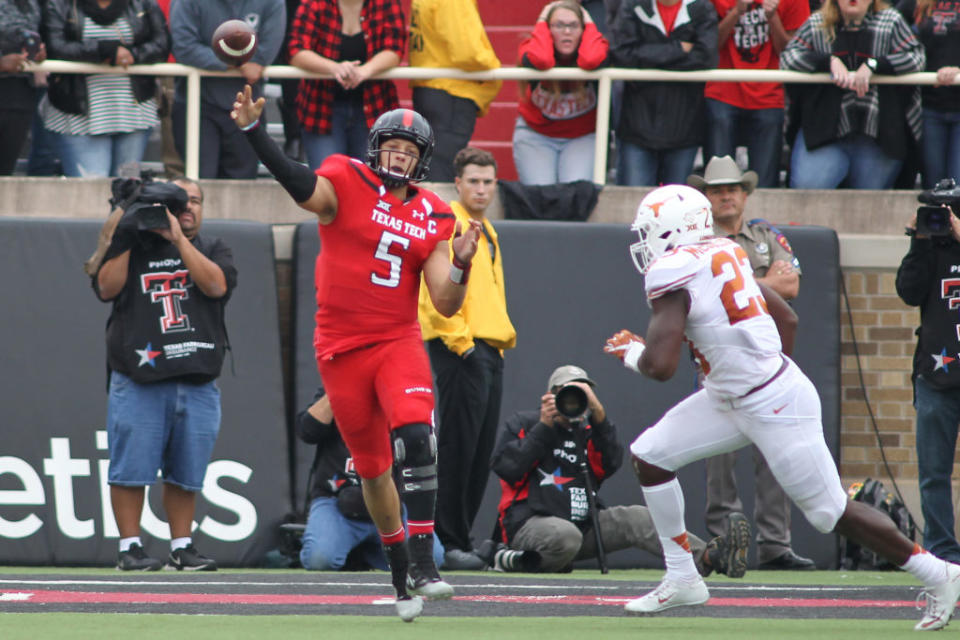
{"type": "Point", "coordinates": [147, 355]}
{"type": "Point", "coordinates": [942, 360]}
{"type": "Point", "coordinates": [553, 479]}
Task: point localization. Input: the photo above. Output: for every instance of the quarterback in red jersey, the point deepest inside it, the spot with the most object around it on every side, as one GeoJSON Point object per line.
{"type": "Point", "coordinates": [378, 233]}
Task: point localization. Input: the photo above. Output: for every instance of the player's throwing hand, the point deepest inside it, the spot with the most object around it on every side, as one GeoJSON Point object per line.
{"type": "Point", "coordinates": [245, 110]}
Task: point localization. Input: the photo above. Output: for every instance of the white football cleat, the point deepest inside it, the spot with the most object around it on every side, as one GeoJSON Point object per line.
{"type": "Point", "coordinates": [409, 608]}
{"type": "Point", "coordinates": [667, 595]}
{"type": "Point", "coordinates": [941, 601]}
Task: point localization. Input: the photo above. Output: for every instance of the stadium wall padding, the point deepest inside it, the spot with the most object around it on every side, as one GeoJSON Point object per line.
{"type": "Point", "coordinates": [569, 287]}
{"type": "Point", "coordinates": [54, 501]}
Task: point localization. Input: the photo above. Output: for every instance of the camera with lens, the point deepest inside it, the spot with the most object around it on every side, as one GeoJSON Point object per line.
{"type": "Point", "coordinates": [933, 220]}
{"type": "Point", "coordinates": [147, 201]}
{"type": "Point", "coordinates": [571, 402]}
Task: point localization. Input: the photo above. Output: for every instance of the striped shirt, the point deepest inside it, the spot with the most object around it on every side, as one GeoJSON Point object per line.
{"type": "Point", "coordinates": [112, 105]}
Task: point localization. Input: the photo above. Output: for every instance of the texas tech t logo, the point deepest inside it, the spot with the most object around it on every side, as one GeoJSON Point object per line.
{"type": "Point", "coordinates": [168, 289]}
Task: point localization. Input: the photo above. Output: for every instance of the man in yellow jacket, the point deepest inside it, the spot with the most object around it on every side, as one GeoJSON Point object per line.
{"type": "Point", "coordinates": [450, 34]}
{"type": "Point", "coordinates": [466, 354]}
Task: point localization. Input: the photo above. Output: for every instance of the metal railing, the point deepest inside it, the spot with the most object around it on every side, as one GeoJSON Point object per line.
{"type": "Point", "coordinates": [604, 78]}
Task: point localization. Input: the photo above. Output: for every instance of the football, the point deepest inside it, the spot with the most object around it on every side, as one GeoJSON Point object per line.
{"type": "Point", "coordinates": [234, 42]}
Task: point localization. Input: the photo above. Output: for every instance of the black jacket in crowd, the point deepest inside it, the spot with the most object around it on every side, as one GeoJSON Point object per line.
{"type": "Point", "coordinates": [664, 115]}
{"type": "Point", "coordinates": [63, 34]}
{"type": "Point", "coordinates": [539, 469]}
{"type": "Point", "coordinates": [929, 278]}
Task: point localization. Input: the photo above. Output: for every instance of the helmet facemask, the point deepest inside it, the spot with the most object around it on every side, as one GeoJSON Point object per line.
{"type": "Point", "coordinates": [406, 125]}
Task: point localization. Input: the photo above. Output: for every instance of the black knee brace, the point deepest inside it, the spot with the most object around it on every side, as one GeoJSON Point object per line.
{"type": "Point", "coordinates": [415, 454]}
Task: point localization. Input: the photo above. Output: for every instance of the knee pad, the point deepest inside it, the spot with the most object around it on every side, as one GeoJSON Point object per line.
{"type": "Point", "coordinates": [415, 454]}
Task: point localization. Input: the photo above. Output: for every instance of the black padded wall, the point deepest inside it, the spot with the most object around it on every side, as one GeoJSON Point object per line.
{"type": "Point", "coordinates": [54, 503]}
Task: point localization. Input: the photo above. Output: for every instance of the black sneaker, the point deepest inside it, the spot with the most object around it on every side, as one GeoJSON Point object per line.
{"type": "Point", "coordinates": [189, 559]}
{"type": "Point", "coordinates": [136, 559]}
{"type": "Point", "coordinates": [423, 579]}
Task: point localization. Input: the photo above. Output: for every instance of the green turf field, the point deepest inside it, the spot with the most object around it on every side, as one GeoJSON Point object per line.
{"type": "Point", "coordinates": [113, 626]}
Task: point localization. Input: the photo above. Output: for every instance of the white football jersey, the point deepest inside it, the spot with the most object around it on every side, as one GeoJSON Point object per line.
{"type": "Point", "coordinates": [730, 331]}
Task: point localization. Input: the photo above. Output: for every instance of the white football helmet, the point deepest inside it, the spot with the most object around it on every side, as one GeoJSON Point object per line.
{"type": "Point", "coordinates": [668, 217]}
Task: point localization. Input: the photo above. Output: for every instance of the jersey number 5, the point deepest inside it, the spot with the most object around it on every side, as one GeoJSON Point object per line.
{"type": "Point", "coordinates": [739, 302]}
{"type": "Point", "coordinates": [383, 253]}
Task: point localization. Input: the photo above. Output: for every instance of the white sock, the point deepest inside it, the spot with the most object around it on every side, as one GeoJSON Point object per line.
{"type": "Point", "coordinates": [180, 543]}
{"type": "Point", "coordinates": [926, 567]}
{"type": "Point", "coordinates": [665, 502]}
{"type": "Point", "coordinates": [126, 542]}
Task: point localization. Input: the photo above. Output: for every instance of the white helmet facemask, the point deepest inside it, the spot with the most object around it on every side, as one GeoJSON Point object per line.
{"type": "Point", "coordinates": [669, 217]}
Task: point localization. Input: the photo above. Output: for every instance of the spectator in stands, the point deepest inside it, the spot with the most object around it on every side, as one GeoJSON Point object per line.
{"type": "Point", "coordinates": [852, 131]}
{"type": "Point", "coordinates": [16, 110]}
{"type": "Point", "coordinates": [339, 532]}
{"type": "Point", "coordinates": [104, 120]}
{"type": "Point", "coordinates": [289, 88]}
{"type": "Point", "coordinates": [544, 505]}
{"type": "Point", "coordinates": [939, 33]}
{"type": "Point", "coordinates": [337, 114]}
{"type": "Point", "coordinates": [751, 36]}
{"type": "Point", "coordinates": [450, 34]}
{"type": "Point", "coordinates": [224, 150]}
{"type": "Point", "coordinates": [662, 124]}
{"type": "Point", "coordinates": [554, 136]}
{"type": "Point", "coordinates": [172, 160]}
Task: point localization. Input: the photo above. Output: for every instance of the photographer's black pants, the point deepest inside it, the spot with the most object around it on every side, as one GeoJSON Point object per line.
{"type": "Point", "coordinates": [468, 410]}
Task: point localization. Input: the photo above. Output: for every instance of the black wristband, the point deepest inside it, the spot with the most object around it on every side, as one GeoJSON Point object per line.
{"type": "Point", "coordinates": [299, 181]}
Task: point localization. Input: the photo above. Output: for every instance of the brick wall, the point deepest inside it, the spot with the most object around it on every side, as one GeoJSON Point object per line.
{"type": "Point", "coordinates": [883, 333]}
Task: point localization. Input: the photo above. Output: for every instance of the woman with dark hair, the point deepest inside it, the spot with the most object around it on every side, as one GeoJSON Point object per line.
{"type": "Point", "coordinates": [19, 24]}
{"type": "Point", "coordinates": [852, 130]}
{"type": "Point", "coordinates": [352, 40]}
{"type": "Point", "coordinates": [939, 32]}
{"type": "Point", "coordinates": [104, 120]}
{"type": "Point", "coordinates": [553, 140]}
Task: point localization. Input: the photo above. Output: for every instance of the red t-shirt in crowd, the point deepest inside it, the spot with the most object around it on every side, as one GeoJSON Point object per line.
{"type": "Point", "coordinates": [749, 47]}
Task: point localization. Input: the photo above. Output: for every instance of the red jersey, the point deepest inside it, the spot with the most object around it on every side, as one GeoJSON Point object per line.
{"type": "Point", "coordinates": [368, 272]}
{"type": "Point", "coordinates": [749, 47]}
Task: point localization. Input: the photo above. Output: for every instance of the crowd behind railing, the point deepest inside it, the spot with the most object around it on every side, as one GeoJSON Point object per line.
{"type": "Point", "coordinates": [839, 87]}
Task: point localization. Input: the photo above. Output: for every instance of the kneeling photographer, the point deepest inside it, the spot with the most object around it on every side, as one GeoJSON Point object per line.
{"type": "Point", "coordinates": [339, 534]}
{"type": "Point", "coordinates": [929, 278]}
{"type": "Point", "coordinates": [550, 463]}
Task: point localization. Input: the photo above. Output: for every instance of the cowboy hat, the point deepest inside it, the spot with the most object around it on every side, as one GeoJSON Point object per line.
{"type": "Point", "coordinates": [723, 170]}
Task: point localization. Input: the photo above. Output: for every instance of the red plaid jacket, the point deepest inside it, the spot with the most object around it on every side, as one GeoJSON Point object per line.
{"type": "Point", "coordinates": [317, 27]}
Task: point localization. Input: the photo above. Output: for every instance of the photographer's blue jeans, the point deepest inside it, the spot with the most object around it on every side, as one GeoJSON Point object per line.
{"type": "Point", "coordinates": [348, 135]}
{"type": "Point", "coordinates": [941, 146]}
{"type": "Point", "coordinates": [938, 420]}
{"type": "Point", "coordinates": [330, 537]}
{"type": "Point", "coordinates": [638, 167]}
{"type": "Point", "coordinates": [163, 426]}
{"type": "Point", "coordinates": [858, 158]}
{"type": "Point", "coordinates": [101, 155]}
{"type": "Point", "coordinates": [760, 130]}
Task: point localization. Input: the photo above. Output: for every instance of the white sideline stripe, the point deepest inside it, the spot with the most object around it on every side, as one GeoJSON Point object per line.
{"type": "Point", "coordinates": [625, 586]}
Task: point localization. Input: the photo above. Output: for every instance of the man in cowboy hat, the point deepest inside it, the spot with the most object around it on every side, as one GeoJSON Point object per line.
{"type": "Point", "coordinates": [773, 263]}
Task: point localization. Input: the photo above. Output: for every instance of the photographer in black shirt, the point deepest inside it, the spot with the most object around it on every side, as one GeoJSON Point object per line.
{"type": "Point", "coordinates": [929, 278]}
